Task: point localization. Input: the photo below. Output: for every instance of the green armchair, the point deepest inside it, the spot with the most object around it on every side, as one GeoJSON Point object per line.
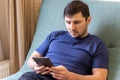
{"type": "Point", "coordinates": [105, 24]}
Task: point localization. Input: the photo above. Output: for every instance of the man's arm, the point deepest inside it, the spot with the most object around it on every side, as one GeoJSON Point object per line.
{"type": "Point", "coordinates": [98, 74]}
{"type": "Point", "coordinates": [61, 73]}
{"type": "Point", "coordinates": [31, 63]}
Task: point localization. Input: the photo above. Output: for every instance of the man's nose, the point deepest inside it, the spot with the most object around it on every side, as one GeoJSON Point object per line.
{"type": "Point", "coordinates": [72, 26]}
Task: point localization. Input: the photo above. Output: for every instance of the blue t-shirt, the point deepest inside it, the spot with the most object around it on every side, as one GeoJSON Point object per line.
{"type": "Point", "coordinates": [78, 55]}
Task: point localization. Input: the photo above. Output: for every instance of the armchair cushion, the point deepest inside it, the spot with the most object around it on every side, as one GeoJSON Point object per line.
{"type": "Point", "coordinates": [114, 63]}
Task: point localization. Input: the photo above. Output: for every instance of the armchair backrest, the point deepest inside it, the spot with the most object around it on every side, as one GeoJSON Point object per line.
{"type": "Point", "coordinates": [105, 24]}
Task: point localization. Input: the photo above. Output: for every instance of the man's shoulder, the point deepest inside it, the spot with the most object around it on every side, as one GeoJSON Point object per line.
{"type": "Point", "coordinates": [58, 33]}
{"type": "Point", "coordinates": [94, 37]}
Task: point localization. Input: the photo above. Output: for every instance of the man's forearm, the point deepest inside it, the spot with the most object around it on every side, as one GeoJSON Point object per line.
{"type": "Point", "coordinates": [74, 76]}
{"type": "Point", "coordinates": [30, 64]}
{"type": "Point", "coordinates": [83, 77]}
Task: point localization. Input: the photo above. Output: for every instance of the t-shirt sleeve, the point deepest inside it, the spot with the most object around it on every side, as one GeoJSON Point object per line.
{"type": "Point", "coordinates": [43, 48]}
{"type": "Point", "coordinates": [100, 59]}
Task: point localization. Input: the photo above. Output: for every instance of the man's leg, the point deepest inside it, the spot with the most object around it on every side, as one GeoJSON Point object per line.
{"type": "Point", "coordinates": [35, 76]}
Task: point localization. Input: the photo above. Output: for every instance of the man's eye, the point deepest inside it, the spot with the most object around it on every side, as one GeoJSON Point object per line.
{"type": "Point", "coordinates": [67, 22]}
{"type": "Point", "coordinates": [76, 22]}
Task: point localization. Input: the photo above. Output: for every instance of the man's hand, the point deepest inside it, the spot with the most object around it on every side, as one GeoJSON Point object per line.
{"type": "Point", "coordinates": [60, 72]}
{"type": "Point", "coordinates": [42, 70]}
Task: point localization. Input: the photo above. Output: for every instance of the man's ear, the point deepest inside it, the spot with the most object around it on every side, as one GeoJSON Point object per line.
{"type": "Point", "coordinates": [88, 20]}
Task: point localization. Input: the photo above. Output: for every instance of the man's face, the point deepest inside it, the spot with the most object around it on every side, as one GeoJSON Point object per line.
{"type": "Point", "coordinates": [77, 25]}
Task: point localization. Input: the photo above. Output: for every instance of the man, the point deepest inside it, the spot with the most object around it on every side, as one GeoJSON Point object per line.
{"type": "Point", "coordinates": [76, 54]}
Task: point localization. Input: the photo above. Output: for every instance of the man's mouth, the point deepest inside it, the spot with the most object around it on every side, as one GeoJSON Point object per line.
{"type": "Point", "coordinates": [73, 32]}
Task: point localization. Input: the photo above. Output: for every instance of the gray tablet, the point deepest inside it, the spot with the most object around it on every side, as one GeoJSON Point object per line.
{"type": "Point", "coordinates": [42, 61]}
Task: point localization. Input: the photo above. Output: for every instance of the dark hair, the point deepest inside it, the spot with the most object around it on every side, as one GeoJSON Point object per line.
{"type": "Point", "coordinates": [75, 7]}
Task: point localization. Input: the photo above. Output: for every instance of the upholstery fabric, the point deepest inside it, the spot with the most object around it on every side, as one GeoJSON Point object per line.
{"type": "Point", "coordinates": [114, 63]}
{"type": "Point", "coordinates": [105, 24]}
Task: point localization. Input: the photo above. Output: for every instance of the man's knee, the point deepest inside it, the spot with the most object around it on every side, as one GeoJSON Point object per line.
{"type": "Point", "coordinates": [28, 76]}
